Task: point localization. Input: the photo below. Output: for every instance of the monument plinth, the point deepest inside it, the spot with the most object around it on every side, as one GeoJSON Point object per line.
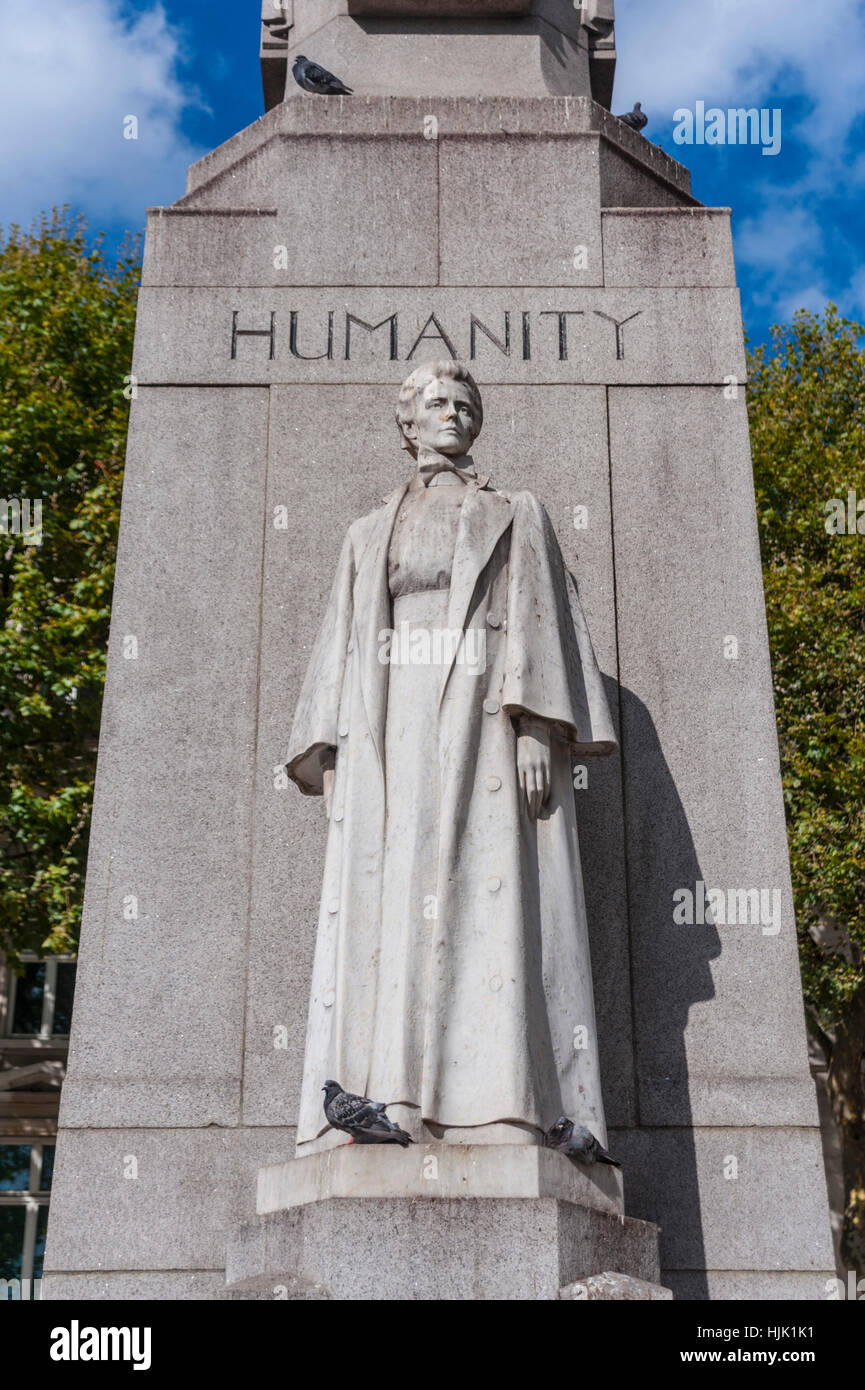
{"type": "Point", "coordinates": [439, 1222]}
{"type": "Point", "coordinates": [316, 259]}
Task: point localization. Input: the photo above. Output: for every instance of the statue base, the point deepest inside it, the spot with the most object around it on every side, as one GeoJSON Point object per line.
{"type": "Point", "coordinates": [436, 1222]}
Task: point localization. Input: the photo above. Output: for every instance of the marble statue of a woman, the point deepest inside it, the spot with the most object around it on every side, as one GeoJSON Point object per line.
{"type": "Point", "coordinates": [451, 685]}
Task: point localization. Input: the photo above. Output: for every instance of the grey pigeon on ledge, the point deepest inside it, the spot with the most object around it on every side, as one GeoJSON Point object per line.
{"type": "Point", "coordinates": [362, 1118]}
{"type": "Point", "coordinates": [636, 119]}
{"type": "Point", "coordinates": [312, 78]}
{"type": "Point", "coordinates": [577, 1142]}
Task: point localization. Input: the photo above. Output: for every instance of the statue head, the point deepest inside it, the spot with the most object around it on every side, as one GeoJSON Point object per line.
{"type": "Point", "coordinates": [440, 408]}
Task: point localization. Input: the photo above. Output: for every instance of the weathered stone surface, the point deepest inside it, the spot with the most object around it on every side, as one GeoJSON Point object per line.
{"type": "Point", "coordinates": [521, 120]}
{"type": "Point", "coordinates": [141, 1286]}
{"type": "Point", "coordinates": [738, 1100]}
{"type": "Point", "coordinates": [443, 46]}
{"type": "Point", "coordinates": [165, 1197]}
{"type": "Point", "coordinates": [501, 237]}
{"type": "Point", "coordinates": [158, 1022]}
{"type": "Point", "coordinates": [615, 1288]}
{"type": "Point", "coordinates": [171, 1286]}
{"type": "Point", "coordinates": [668, 246]}
{"type": "Point", "coordinates": [192, 247]}
{"type": "Point", "coordinates": [436, 1172]}
{"type": "Point", "coordinates": [699, 738]}
{"type": "Point", "coordinates": [644, 181]}
{"type": "Point", "coordinates": [278, 1287]}
{"type": "Point", "coordinates": [729, 1198]}
{"type": "Point", "coordinates": [328, 229]}
{"type": "Point", "coordinates": [452, 1249]}
{"type": "Point", "coordinates": [307, 479]}
{"type": "Point", "coordinates": [438, 9]}
{"type": "Point", "coordinates": [664, 337]}
{"type": "Point", "coordinates": [533, 56]}
{"type": "Point", "coordinates": [757, 1286]}
{"type": "Point", "coordinates": [309, 15]}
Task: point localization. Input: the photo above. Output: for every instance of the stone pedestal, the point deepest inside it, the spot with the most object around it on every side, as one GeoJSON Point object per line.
{"type": "Point", "coordinates": [437, 1222]}
{"type": "Point", "coordinates": [610, 1287]}
{"type": "Point", "coordinates": [436, 1171]}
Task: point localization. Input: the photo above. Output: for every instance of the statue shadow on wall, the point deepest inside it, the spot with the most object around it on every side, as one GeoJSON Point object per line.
{"type": "Point", "coordinates": [670, 971]}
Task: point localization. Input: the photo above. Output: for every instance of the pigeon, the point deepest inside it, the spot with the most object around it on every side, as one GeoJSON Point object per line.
{"type": "Point", "coordinates": [636, 119]}
{"type": "Point", "coordinates": [312, 78]}
{"type": "Point", "coordinates": [362, 1118]}
{"type": "Point", "coordinates": [577, 1142]}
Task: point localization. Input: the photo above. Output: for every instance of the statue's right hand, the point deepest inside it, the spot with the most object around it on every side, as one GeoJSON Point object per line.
{"type": "Point", "coordinates": [327, 784]}
{"type": "Point", "coordinates": [534, 764]}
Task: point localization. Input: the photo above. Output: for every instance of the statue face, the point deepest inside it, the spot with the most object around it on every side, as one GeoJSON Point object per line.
{"type": "Point", "coordinates": [444, 417]}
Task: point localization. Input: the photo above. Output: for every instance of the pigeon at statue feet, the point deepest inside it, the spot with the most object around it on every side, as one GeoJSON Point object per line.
{"type": "Point", "coordinates": [362, 1118]}
{"type": "Point", "coordinates": [577, 1142]}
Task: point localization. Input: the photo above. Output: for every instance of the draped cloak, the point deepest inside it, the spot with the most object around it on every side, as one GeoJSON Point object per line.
{"type": "Point", "coordinates": [508, 1032]}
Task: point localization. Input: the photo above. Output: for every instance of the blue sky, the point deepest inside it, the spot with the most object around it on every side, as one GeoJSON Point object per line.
{"type": "Point", "coordinates": [188, 69]}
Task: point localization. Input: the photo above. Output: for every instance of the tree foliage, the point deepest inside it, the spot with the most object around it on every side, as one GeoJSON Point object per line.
{"type": "Point", "coordinates": [807, 411]}
{"type": "Point", "coordinates": [66, 327]}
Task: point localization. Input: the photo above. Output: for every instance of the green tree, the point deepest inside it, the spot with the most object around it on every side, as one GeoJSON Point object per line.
{"type": "Point", "coordinates": [66, 326]}
{"type": "Point", "coordinates": [807, 413]}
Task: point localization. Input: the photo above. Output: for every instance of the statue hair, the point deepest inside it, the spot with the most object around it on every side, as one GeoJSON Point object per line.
{"type": "Point", "coordinates": [444, 370]}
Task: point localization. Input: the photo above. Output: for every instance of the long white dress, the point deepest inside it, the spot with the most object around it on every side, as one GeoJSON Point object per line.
{"type": "Point", "coordinates": [420, 561]}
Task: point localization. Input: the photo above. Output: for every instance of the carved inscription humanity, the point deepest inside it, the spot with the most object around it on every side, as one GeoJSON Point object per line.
{"type": "Point", "coordinates": [333, 335]}
{"type": "Point", "coordinates": [340, 334]}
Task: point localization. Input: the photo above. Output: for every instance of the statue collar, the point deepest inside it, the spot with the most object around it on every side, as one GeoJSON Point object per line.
{"type": "Point", "coordinates": [431, 465]}
{"type": "Point", "coordinates": [472, 480]}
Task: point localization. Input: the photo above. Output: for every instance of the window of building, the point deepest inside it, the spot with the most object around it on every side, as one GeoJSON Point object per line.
{"type": "Point", "coordinates": [40, 1003]}
{"type": "Point", "coordinates": [25, 1184]}
{"type": "Point", "coordinates": [35, 1017]}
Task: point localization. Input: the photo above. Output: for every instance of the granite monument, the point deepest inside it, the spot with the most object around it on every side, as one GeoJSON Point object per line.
{"type": "Point", "coordinates": [474, 201]}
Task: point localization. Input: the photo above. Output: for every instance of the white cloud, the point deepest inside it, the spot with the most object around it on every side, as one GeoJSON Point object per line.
{"type": "Point", "coordinates": [69, 75]}
{"type": "Point", "coordinates": [780, 239]}
{"type": "Point", "coordinates": [853, 300]}
{"type": "Point", "coordinates": [736, 52]}
{"type": "Point", "coordinates": [782, 245]}
{"type": "Point", "coordinates": [814, 298]}
{"type": "Point", "coordinates": [805, 59]}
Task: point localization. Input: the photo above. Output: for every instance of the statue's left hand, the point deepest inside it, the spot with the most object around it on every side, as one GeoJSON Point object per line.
{"type": "Point", "coordinates": [534, 765]}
